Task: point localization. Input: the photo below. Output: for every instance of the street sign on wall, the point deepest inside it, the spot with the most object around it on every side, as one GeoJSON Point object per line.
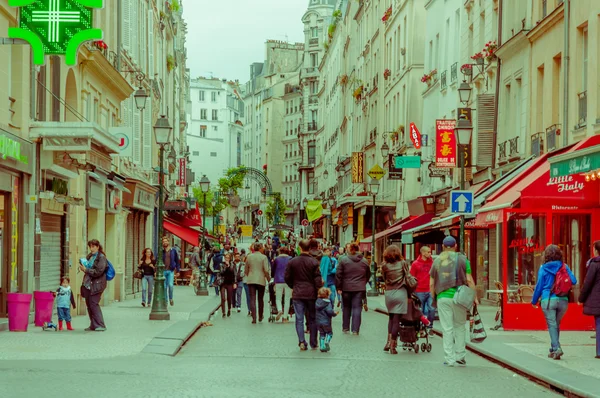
{"type": "Point", "coordinates": [445, 143]}
{"type": "Point", "coordinates": [407, 162]}
{"type": "Point", "coordinates": [376, 172]}
{"type": "Point", "coordinates": [55, 27]}
{"type": "Point", "coordinates": [461, 202]}
{"type": "Point", "coordinates": [393, 172]}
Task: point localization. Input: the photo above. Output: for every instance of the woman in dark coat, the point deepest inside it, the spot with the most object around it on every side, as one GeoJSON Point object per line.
{"type": "Point", "coordinates": [228, 284]}
{"type": "Point", "coordinates": [394, 273]}
{"type": "Point", "coordinates": [94, 283]}
{"type": "Point", "coordinates": [590, 292]}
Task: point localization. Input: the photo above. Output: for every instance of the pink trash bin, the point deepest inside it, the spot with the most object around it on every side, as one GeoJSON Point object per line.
{"type": "Point", "coordinates": [44, 302]}
{"type": "Point", "coordinates": [18, 311]}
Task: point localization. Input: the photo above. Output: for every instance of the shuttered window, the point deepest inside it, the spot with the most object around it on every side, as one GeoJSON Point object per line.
{"type": "Point", "coordinates": [126, 27]}
{"type": "Point", "coordinates": [150, 44]}
{"type": "Point", "coordinates": [484, 156]}
{"type": "Point", "coordinates": [55, 80]}
{"type": "Point", "coordinates": [137, 137]}
{"type": "Point", "coordinates": [147, 136]}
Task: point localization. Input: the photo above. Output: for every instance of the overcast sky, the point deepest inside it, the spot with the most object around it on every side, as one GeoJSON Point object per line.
{"type": "Point", "coordinates": [225, 36]}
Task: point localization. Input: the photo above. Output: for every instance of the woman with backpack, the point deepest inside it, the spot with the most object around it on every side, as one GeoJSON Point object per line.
{"type": "Point", "coordinates": [554, 284]}
{"type": "Point", "coordinates": [590, 292]}
{"type": "Point", "coordinates": [94, 283]}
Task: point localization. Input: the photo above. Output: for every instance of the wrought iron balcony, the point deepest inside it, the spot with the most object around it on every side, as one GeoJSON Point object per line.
{"type": "Point", "coordinates": [537, 144]}
{"type": "Point", "coordinates": [312, 126]}
{"type": "Point", "coordinates": [582, 108]}
{"type": "Point", "coordinates": [551, 133]}
{"type": "Point", "coordinates": [443, 82]}
{"type": "Point", "coordinates": [313, 42]}
{"type": "Point", "coordinates": [454, 72]}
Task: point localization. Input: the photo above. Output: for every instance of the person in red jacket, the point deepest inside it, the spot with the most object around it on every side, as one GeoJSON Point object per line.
{"type": "Point", "coordinates": [420, 270]}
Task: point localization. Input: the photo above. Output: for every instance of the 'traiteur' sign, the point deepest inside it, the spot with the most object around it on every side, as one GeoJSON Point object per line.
{"type": "Point", "coordinates": [55, 26]}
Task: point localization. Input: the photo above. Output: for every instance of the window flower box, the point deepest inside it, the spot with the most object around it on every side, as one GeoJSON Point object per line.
{"type": "Point", "coordinates": [467, 69]}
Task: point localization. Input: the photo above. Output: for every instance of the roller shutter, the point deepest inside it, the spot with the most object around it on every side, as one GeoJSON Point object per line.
{"type": "Point", "coordinates": [129, 255]}
{"type": "Point", "coordinates": [51, 252]}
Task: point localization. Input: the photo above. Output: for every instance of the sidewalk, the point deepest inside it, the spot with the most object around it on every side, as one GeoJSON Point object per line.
{"type": "Point", "coordinates": [578, 372]}
{"type": "Point", "coordinates": [129, 332]}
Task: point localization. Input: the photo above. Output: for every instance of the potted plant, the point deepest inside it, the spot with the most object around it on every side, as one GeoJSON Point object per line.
{"type": "Point", "coordinates": [101, 44]}
{"type": "Point", "coordinates": [386, 74]}
{"type": "Point", "coordinates": [387, 15]}
{"type": "Point", "coordinates": [357, 94]}
{"type": "Point", "coordinates": [344, 79]}
{"type": "Point", "coordinates": [175, 5]}
{"type": "Point", "coordinates": [489, 51]}
{"type": "Point", "coordinates": [265, 168]}
{"type": "Point", "coordinates": [331, 31]}
{"type": "Point", "coordinates": [467, 69]}
{"type": "Point", "coordinates": [170, 63]}
{"type": "Point", "coordinates": [478, 58]}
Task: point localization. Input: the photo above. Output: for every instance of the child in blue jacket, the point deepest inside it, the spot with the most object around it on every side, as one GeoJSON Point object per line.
{"type": "Point", "coordinates": [324, 314]}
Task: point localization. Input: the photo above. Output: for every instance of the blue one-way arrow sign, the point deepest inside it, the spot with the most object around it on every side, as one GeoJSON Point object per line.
{"type": "Point", "coordinates": [461, 202]}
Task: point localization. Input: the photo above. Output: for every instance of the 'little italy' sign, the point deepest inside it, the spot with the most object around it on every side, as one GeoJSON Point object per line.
{"type": "Point", "coordinates": [55, 27]}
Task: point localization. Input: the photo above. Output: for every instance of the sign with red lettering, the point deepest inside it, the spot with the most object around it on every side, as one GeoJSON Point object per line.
{"type": "Point", "coordinates": [570, 192]}
{"type": "Point", "coordinates": [445, 143]}
{"type": "Point", "coordinates": [182, 172]}
{"type": "Point", "coordinates": [415, 136]}
{"type": "Point", "coordinates": [526, 245]}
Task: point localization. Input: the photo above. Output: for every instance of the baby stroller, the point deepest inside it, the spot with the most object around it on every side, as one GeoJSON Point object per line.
{"type": "Point", "coordinates": [411, 328]}
{"type": "Point", "coordinates": [273, 304]}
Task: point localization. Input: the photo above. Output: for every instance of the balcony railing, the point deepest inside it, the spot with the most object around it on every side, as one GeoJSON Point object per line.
{"type": "Point", "coordinates": [582, 108]}
{"type": "Point", "coordinates": [454, 72]}
{"type": "Point", "coordinates": [443, 82]}
{"type": "Point", "coordinates": [312, 126]}
{"type": "Point", "coordinates": [537, 144]}
{"type": "Point", "coordinates": [313, 42]}
{"type": "Point", "coordinates": [290, 88]}
{"type": "Point", "coordinates": [551, 133]}
{"type": "Point", "coordinates": [508, 149]}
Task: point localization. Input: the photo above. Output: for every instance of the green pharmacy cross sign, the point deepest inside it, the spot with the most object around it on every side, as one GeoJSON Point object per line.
{"type": "Point", "coordinates": [55, 26]}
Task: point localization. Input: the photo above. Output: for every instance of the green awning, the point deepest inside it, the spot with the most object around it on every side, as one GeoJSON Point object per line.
{"type": "Point", "coordinates": [581, 161]}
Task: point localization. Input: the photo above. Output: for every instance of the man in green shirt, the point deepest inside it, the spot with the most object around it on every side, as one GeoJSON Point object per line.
{"type": "Point", "coordinates": [449, 271]}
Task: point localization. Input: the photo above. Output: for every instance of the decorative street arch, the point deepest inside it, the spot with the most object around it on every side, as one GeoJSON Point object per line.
{"type": "Point", "coordinates": [258, 176]}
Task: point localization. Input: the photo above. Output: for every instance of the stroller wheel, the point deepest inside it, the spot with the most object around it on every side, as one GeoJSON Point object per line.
{"type": "Point", "coordinates": [416, 348]}
{"type": "Point", "coordinates": [423, 347]}
{"type": "Point", "coordinates": [429, 347]}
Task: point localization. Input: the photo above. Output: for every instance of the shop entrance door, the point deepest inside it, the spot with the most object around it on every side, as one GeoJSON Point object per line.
{"type": "Point", "coordinates": [572, 233]}
{"type": "Point", "coordinates": [5, 242]}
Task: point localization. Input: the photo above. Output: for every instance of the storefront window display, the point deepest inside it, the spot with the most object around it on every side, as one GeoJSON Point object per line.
{"type": "Point", "coordinates": [526, 244]}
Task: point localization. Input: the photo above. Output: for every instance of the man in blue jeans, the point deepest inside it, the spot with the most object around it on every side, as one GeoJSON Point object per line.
{"type": "Point", "coordinates": [171, 262]}
{"type": "Point", "coordinates": [420, 269]}
{"type": "Point", "coordinates": [303, 276]}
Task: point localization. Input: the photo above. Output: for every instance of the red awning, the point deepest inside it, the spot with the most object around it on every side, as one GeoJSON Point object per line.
{"type": "Point", "coordinates": [404, 225]}
{"type": "Point", "coordinates": [184, 233]}
{"type": "Point", "coordinates": [536, 190]}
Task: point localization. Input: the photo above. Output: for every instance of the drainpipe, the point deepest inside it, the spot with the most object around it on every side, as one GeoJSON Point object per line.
{"type": "Point", "coordinates": [497, 96]}
{"type": "Point", "coordinates": [119, 34]}
{"type": "Point", "coordinates": [565, 126]}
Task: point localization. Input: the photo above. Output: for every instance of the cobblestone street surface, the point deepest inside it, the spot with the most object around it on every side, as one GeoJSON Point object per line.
{"type": "Point", "coordinates": [236, 358]}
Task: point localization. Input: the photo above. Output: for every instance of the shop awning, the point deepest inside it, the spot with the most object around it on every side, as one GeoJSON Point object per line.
{"type": "Point", "coordinates": [187, 234]}
{"type": "Point", "coordinates": [430, 224]}
{"type": "Point", "coordinates": [406, 223]}
{"type": "Point", "coordinates": [576, 162]}
{"type": "Point", "coordinates": [536, 189]}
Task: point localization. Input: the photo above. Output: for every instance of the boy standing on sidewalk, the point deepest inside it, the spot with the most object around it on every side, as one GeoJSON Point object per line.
{"type": "Point", "coordinates": [324, 314]}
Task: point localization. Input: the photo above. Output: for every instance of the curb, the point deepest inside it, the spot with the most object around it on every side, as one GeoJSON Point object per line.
{"type": "Point", "coordinates": [171, 340]}
{"type": "Point", "coordinates": [563, 381]}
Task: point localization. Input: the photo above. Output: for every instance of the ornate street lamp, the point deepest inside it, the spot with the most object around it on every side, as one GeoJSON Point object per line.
{"type": "Point", "coordinates": [374, 188]}
{"type": "Point", "coordinates": [464, 92]}
{"type": "Point", "coordinates": [385, 151]}
{"type": "Point", "coordinates": [331, 204]}
{"type": "Point", "coordinates": [140, 98]}
{"type": "Point", "coordinates": [162, 132]}
{"type": "Point", "coordinates": [463, 131]}
{"type": "Point", "coordinates": [202, 287]}
{"type": "Point", "coordinates": [325, 174]}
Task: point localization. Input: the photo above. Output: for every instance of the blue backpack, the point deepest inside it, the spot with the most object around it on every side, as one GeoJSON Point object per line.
{"type": "Point", "coordinates": [110, 271]}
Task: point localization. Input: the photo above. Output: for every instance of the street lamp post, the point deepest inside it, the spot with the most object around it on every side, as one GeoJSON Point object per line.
{"type": "Point", "coordinates": [331, 203]}
{"type": "Point", "coordinates": [202, 288]}
{"type": "Point", "coordinates": [463, 130]}
{"type": "Point", "coordinates": [374, 186]}
{"type": "Point", "coordinates": [162, 131]}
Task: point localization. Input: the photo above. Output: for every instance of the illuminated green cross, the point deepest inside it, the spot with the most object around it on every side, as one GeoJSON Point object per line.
{"type": "Point", "coordinates": [55, 26]}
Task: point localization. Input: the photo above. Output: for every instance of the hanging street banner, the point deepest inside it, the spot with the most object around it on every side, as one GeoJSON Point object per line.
{"type": "Point", "coordinates": [55, 27]}
{"type": "Point", "coordinates": [445, 143]}
{"type": "Point", "coordinates": [314, 210]}
{"type": "Point", "coordinates": [181, 178]}
{"type": "Point", "coordinates": [358, 165]}
{"type": "Point", "coordinates": [415, 136]}
{"type": "Point", "coordinates": [407, 162]}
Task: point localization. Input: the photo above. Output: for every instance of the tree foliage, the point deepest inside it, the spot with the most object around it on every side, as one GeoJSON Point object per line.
{"type": "Point", "coordinates": [230, 184]}
{"type": "Point", "coordinates": [276, 206]}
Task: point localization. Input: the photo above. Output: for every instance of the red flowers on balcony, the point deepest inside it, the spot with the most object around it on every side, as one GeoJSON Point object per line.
{"type": "Point", "coordinates": [387, 15]}
{"type": "Point", "coordinates": [101, 44]}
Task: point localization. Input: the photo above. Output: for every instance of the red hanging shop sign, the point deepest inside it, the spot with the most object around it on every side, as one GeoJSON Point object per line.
{"type": "Point", "coordinates": [415, 136]}
{"type": "Point", "coordinates": [445, 143]}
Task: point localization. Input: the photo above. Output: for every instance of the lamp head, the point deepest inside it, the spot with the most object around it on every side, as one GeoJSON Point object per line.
{"type": "Point", "coordinates": [162, 130]}
{"type": "Point", "coordinates": [140, 98]}
{"type": "Point", "coordinates": [464, 92]}
{"type": "Point", "coordinates": [204, 184]}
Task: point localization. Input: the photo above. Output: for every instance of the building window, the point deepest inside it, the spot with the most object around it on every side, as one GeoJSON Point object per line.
{"type": "Point", "coordinates": [215, 128]}
{"type": "Point", "coordinates": [312, 154]}
{"type": "Point", "coordinates": [215, 114]}
{"type": "Point", "coordinates": [201, 95]}
{"type": "Point", "coordinates": [213, 154]}
{"type": "Point", "coordinates": [203, 114]}
{"type": "Point", "coordinates": [311, 182]}
{"type": "Point", "coordinates": [195, 153]}
{"type": "Point", "coordinates": [213, 96]}
{"type": "Point", "coordinates": [314, 60]}
{"type": "Point", "coordinates": [314, 32]}
{"type": "Point", "coordinates": [202, 131]}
